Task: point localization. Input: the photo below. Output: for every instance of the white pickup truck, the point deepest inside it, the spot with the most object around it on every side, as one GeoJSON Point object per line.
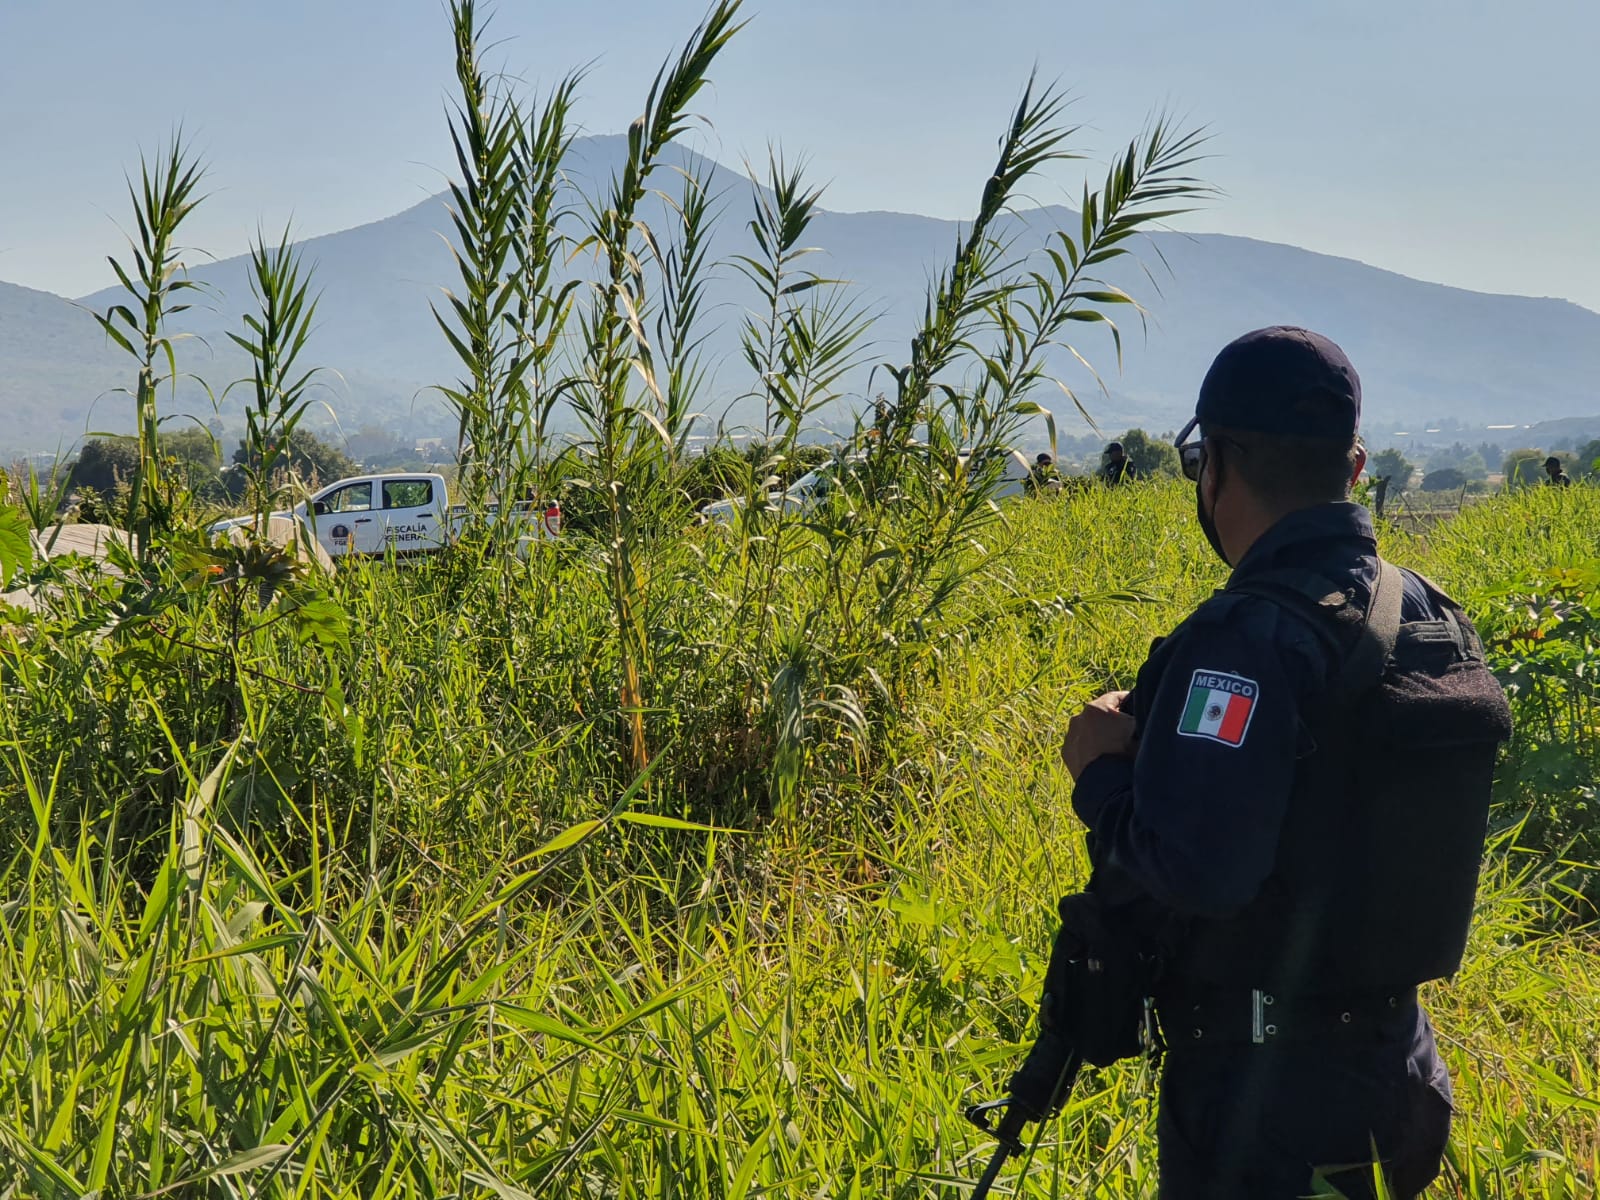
{"type": "Point", "coordinates": [411, 513]}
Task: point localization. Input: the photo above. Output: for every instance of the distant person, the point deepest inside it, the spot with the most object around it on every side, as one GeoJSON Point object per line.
{"type": "Point", "coordinates": [1554, 474]}
{"type": "Point", "coordinates": [1044, 477]}
{"type": "Point", "coordinates": [1380, 493]}
{"type": "Point", "coordinates": [1116, 467]}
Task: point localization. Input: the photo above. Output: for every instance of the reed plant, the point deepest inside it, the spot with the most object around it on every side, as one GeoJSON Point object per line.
{"type": "Point", "coordinates": [158, 287]}
{"type": "Point", "coordinates": [634, 377]}
{"type": "Point", "coordinates": [484, 205]}
{"type": "Point", "coordinates": [545, 293]}
{"type": "Point", "coordinates": [624, 436]}
{"type": "Point", "coordinates": [274, 337]}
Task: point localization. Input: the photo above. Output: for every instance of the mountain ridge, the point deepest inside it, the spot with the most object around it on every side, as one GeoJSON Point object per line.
{"type": "Point", "coordinates": [1425, 349]}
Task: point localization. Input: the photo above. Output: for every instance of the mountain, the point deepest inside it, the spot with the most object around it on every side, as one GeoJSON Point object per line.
{"type": "Point", "coordinates": [54, 364]}
{"type": "Point", "coordinates": [1424, 350]}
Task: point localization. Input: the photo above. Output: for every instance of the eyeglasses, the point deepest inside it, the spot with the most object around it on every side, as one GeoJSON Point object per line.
{"type": "Point", "coordinates": [1191, 455]}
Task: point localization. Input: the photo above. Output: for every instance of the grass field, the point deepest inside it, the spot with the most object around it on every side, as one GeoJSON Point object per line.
{"type": "Point", "coordinates": [434, 937]}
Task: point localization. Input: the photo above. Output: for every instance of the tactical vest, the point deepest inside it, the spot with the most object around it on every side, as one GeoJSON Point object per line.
{"type": "Point", "coordinates": [1377, 864]}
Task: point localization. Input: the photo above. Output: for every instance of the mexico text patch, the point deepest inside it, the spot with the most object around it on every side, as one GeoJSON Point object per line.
{"type": "Point", "coordinates": [1219, 707]}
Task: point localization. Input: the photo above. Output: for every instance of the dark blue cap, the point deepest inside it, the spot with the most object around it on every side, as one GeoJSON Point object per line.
{"type": "Point", "coordinates": [1282, 380]}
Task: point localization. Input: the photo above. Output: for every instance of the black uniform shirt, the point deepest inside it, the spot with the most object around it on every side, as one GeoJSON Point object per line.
{"type": "Point", "coordinates": [1194, 818]}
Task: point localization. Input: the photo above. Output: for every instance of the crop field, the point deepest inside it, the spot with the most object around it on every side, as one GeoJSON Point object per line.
{"type": "Point", "coordinates": [667, 859]}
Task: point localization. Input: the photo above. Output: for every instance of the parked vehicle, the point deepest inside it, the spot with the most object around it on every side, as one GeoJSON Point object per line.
{"type": "Point", "coordinates": [800, 496]}
{"type": "Point", "coordinates": [407, 513]}
{"type": "Point", "coordinates": [813, 487]}
{"type": "Point", "coordinates": [1014, 481]}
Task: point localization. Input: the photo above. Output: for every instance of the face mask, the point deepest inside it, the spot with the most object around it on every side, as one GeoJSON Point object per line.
{"type": "Point", "coordinates": [1207, 525]}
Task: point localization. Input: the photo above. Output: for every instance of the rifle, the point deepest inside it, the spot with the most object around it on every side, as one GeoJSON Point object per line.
{"type": "Point", "coordinates": [1036, 1092]}
{"type": "Point", "coordinates": [1095, 1009]}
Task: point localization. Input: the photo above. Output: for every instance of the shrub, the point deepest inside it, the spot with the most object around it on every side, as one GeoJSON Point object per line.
{"type": "Point", "coordinates": [1444, 479]}
{"type": "Point", "coordinates": [104, 463]}
{"type": "Point", "coordinates": [1151, 457]}
{"type": "Point", "coordinates": [1543, 633]}
{"type": "Point", "coordinates": [1523, 467]}
{"type": "Point", "coordinates": [1588, 459]}
{"type": "Point", "coordinates": [309, 458]}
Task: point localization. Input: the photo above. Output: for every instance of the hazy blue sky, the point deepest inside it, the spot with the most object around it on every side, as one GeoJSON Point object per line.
{"type": "Point", "coordinates": [1453, 140]}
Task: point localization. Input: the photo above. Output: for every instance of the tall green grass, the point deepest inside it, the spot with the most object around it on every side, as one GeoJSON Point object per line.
{"type": "Point", "coordinates": [1536, 588]}
{"type": "Point", "coordinates": [388, 954]}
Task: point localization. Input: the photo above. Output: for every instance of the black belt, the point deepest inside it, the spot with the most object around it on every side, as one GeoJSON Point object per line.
{"type": "Point", "coordinates": [1259, 1017]}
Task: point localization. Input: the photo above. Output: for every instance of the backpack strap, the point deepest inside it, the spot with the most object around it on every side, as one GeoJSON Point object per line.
{"type": "Point", "coordinates": [1331, 613]}
{"type": "Point", "coordinates": [1366, 662]}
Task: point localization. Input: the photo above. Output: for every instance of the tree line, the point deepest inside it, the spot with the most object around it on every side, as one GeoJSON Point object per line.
{"type": "Point", "coordinates": [1459, 466]}
{"type": "Point", "coordinates": [105, 466]}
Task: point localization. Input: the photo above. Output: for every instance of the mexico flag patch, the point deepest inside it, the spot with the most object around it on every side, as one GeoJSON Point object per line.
{"type": "Point", "coordinates": [1219, 707]}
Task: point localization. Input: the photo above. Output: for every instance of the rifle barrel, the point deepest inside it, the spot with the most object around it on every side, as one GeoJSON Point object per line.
{"type": "Point", "coordinates": [992, 1171]}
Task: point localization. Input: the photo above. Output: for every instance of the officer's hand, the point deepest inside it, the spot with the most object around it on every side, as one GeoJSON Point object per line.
{"type": "Point", "coordinates": [1101, 728]}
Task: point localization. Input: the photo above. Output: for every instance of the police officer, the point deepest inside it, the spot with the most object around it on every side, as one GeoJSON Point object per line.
{"type": "Point", "coordinates": [1043, 476]}
{"type": "Point", "coordinates": [1300, 780]}
{"type": "Point", "coordinates": [1380, 493]}
{"type": "Point", "coordinates": [1117, 467]}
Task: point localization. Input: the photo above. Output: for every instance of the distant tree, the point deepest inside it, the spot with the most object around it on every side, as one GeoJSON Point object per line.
{"type": "Point", "coordinates": [190, 456]}
{"type": "Point", "coordinates": [1461, 457]}
{"type": "Point", "coordinates": [1589, 459]}
{"type": "Point", "coordinates": [1523, 467]}
{"type": "Point", "coordinates": [1444, 479]}
{"type": "Point", "coordinates": [1445, 456]}
{"type": "Point", "coordinates": [377, 449]}
{"type": "Point", "coordinates": [193, 445]}
{"type": "Point", "coordinates": [194, 457]}
{"type": "Point", "coordinates": [1150, 456]}
{"type": "Point", "coordinates": [1470, 462]}
{"type": "Point", "coordinates": [103, 463]}
{"type": "Point", "coordinates": [315, 461]}
{"type": "Point", "coordinates": [1396, 466]}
